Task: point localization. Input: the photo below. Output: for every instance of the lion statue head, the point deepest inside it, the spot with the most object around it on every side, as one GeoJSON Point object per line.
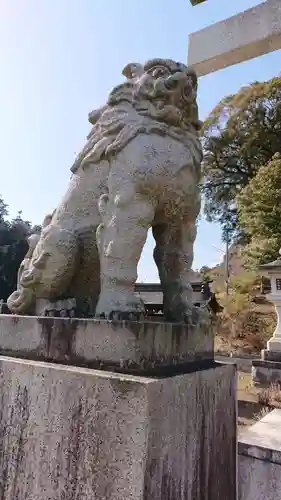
{"type": "Point", "coordinates": [158, 97]}
{"type": "Point", "coordinates": [170, 86]}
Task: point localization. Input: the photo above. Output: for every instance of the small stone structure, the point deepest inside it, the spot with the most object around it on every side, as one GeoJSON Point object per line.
{"type": "Point", "coordinates": [268, 369]}
{"type": "Point", "coordinates": [259, 459]}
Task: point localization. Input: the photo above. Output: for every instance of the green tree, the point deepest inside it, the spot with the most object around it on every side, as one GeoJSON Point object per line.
{"type": "Point", "coordinates": [240, 135]}
{"type": "Point", "coordinates": [13, 247]}
{"type": "Point", "coordinates": [3, 210]}
{"type": "Point", "coordinates": [205, 273]}
{"type": "Point", "coordinates": [259, 211]}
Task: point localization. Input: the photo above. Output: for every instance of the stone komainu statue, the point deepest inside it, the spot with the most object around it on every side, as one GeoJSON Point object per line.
{"type": "Point", "coordinates": [140, 168]}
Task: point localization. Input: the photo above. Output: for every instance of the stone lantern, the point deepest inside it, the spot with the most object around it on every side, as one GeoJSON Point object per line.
{"type": "Point", "coordinates": [268, 369]}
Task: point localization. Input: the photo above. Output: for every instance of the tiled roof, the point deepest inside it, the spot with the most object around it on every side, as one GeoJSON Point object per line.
{"type": "Point", "coordinates": [151, 293]}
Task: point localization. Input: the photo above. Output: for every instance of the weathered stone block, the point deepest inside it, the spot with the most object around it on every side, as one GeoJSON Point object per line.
{"type": "Point", "coordinates": [92, 343]}
{"type": "Point", "coordinates": [73, 433]}
{"type": "Point", "coordinates": [268, 355]}
{"type": "Point", "coordinates": [259, 463]}
{"type": "Point", "coordinates": [265, 372]}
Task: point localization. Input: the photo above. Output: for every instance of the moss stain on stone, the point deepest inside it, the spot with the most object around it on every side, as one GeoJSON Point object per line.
{"type": "Point", "coordinates": [122, 387]}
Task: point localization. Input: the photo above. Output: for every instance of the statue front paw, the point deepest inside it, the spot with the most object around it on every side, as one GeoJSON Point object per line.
{"type": "Point", "coordinates": [120, 306]}
{"type": "Point", "coordinates": [126, 316]}
{"type": "Point", "coordinates": [65, 308]}
{"type": "Point", "coordinates": [60, 313]}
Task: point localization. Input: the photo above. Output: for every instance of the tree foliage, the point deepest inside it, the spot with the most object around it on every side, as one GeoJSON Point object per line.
{"type": "Point", "coordinates": [240, 136]}
{"type": "Point", "coordinates": [13, 247]}
{"type": "Point", "coordinates": [205, 273]}
{"type": "Point", "coordinates": [259, 211]}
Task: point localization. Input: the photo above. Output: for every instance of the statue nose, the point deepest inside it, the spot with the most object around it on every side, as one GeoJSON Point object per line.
{"type": "Point", "coordinates": [176, 80]}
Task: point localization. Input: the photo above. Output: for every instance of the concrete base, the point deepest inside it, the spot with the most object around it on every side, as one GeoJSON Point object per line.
{"type": "Point", "coordinates": [74, 433]}
{"type": "Point", "coordinates": [131, 346]}
{"type": "Point", "coordinates": [259, 463]}
{"type": "Point", "coordinates": [265, 372]}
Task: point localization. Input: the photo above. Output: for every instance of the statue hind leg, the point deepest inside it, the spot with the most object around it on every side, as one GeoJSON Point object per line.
{"type": "Point", "coordinates": [173, 255]}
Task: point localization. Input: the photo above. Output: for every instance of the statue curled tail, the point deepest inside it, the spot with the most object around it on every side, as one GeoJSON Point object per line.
{"type": "Point", "coordinates": [47, 268]}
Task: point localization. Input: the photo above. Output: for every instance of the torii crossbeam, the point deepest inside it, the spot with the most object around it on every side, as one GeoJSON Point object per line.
{"type": "Point", "coordinates": [249, 34]}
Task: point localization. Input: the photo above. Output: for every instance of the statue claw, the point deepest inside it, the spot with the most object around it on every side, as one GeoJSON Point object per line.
{"type": "Point", "coordinates": [60, 313]}
{"type": "Point", "coordinates": [61, 309]}
{"type": "Point", "coordinates": [123, 316]}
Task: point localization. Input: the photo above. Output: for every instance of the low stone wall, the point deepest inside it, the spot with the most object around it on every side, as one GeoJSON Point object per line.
{"type": "Point", "coordinates": [242, 362]}
{"type": "Point", "coordinates": [259, 460]}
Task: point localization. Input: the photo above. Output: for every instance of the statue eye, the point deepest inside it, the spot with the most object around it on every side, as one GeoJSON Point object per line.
{"type": "Point", "coordinates": [158, 72]}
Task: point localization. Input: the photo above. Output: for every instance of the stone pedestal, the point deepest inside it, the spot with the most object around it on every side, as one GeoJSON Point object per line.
{"type": "Point", "coordinates": [76, 433]}
{"type": "Point", "coordinates": [270, 355]}
{"type": "Point", "coordinates": [259, 461]}
{"type": "Point", "coordinates": [266, 372]}
{"type": "Point", "coordinates": [125, 346]}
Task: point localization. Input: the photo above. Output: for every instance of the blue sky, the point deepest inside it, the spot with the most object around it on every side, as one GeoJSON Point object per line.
{"type": "Point", "coordinates": [59, 59]}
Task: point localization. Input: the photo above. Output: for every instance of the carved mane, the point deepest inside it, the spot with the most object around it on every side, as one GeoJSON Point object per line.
{"type": "Point", "coordinates": [142, 104]}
